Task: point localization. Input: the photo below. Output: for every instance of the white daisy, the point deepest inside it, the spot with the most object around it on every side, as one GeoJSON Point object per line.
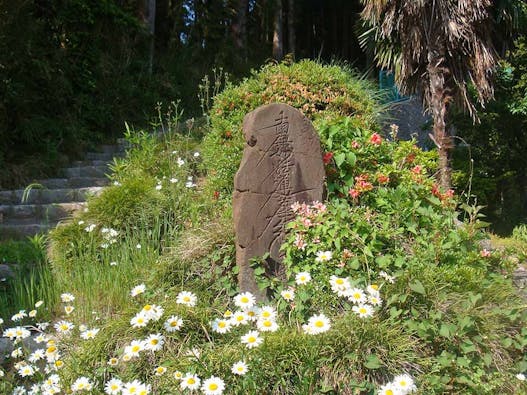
{"type": "Point", "coordinates": [288, 294]}
{"type": "Point", "coordinates": [113, 386]}
{"type": "Point", "coordinates": [245, 300]}
{"type": "Point", "coordinates": [18, 316]}
{"type": "Point", "coordinates": [267, 312]}
{"type": "Point", "coordinates": [213, 386]}
{"type": "Point", "coordinates": [82, 384]}
{"type": "Point", "coordinates": [173, 324]}
{"type": "Point", "coordinates": [137, 290]}
{"type": "Point", "coordinates": [69, 309]}
{"type": "Point", "coordinates": [89, 333]}
{"type": "Point", "coordinates": [154, 342]}
{"type": "Point", "coordinates": [404, 383]}
{"type": "Point", "coordinates": [139, 320]}
{"type": "Point", "coordinates": [26, 370]}
{"type": "Point", "coordinates": [356, 295]}
{"type": "Point", "coordinates": [64, 327]}
{"type": "Point", "coordinates": [340, 285]}
{"type": "Point", "coordinates": [302, 278]}
{"type": "Point", "coordinates": [67, 298]}
{"type": "Point", "coordinates": [363, 310]}
{"type": "Point", "coordinates": [190, 381]}
{"type": "Point", "coordinates": [375, 300]}
{"type": "Point", "coordinates": [240, 368]}
{"type": "Point", "coordinates": [323, 256]}
{"type": "Point", "coordinates": [135, 347]}
{"type": "Point", "coordinates": [318, 323]}
{"type": "Point", "coordinates": [160, 370]}
{"type": "Point", "coordinates": [239, 318]}
{"type": "Point", "coordinates": [266, 325]}
{"type": "Point", "coordinates": [221, 325]}
{"type": "Point", "coordinates": [37, 355]}
{"type": "Point", "coordinates": [251, 339]}
{"type": "Point", "coordinates": [186, 298]}
{"type": "Point", "coordinates": [389, 389]}
{"type": "Point", "coordinates": [39, 303]}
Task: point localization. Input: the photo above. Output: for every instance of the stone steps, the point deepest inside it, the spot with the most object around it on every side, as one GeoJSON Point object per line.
{"type": "Point", "coordinates": [39, 209]}
{"type": "Point", "coordinates": [24, 213]}
{"type": "Point", "coordinates": [48, 196]}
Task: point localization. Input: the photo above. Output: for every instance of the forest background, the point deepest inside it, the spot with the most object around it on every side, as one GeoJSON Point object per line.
{"type": "Point", "coordinates": [72, 72]}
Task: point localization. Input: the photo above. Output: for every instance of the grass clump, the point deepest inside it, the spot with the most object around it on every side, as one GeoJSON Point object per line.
{"type": "Point", "coordinates": [382, 286]}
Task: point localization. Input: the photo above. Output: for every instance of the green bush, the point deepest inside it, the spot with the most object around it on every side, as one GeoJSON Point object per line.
{"type": "Point", "coordinates": [320, 92]}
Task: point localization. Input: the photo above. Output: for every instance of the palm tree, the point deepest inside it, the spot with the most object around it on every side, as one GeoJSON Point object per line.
{"type": "Point", "coordinates": [436, 47]}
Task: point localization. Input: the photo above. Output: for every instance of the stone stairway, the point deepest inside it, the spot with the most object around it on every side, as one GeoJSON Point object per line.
{"type": "Point", "coordinates": [43, 207]}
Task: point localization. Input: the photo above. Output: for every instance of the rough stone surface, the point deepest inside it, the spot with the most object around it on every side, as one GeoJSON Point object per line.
{"type": "Point", "coordinates": [281, 164]}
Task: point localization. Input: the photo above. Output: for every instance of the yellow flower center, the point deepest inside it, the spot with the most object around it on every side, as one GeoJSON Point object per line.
{"type": "Point", "coordinates": [59, 363]}
{"type": "Point", "coordinates": [402, 383]}
{"type": "Point", "coordinates": [154, 342]}
{"type": "Point", "coordinates": [356, 296]}
{"type": "Point", "coordinates": [319, 324]}
{"type": "Point", "coordinates": [191, 381]}
{"type": "Point", "coordinates": [51, 349]}
{"type": "Point", "coordinates": [136, 348]}
{"type": "Point", "coordinates": [375, 287]}
{"type": "Point", "coordinates": [239, 318]}
{"type": "Point", "coordinates": [267, 323]}
{"type": "Point", "coordinates": [339, 281]}
{"type": "Point", "coordinates": [213, 386]}
{"type": "Point", "coordinates": [132, 390]}
{"type": "Point", "coordinates": [389, 392]}
{"type": "Point", "coordinates": [244, 299]}
{"type": "Point", "coordinates": [251, 339]}
{"type": "Point", "coordinates": [173, 323]}
{"type": "Point", "coordinates": [114, 387]}
{"type": "Point", "coordinates": [186, 299]}
{"type": "Point", "coordinates": [147, 307]}
{"type": "Point", "coordinates": [362, 310]}
{"type": "Point", "coordinates": [222, 324]}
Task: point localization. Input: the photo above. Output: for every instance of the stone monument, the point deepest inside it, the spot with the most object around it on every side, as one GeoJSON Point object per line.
{"type": "Point", "coordinates": [281, 164]}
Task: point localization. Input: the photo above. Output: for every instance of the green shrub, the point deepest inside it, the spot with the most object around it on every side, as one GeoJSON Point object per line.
{"type": "Point", "coordinates": [320, 92]}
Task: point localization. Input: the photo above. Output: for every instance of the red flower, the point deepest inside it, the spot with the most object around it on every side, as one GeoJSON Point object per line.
{"type": "Point", "coordinates": [383, 179]}
{"type": "Point", "coordinates": [410, 158]}
{"type": "Point", "coordinates": [216, 195]}
{"type": "Point", "coordinates": [327, 157]}
{"type": "Point", "coordinates": [228, 134]}
{"type": "Point", "coordinates": [436, 192]}
{"type": "Point", "coordinates": [376, 139]}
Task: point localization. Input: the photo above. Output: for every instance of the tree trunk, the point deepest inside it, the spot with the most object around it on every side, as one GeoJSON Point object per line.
{"type": "Point", "coordinates": [291, 27]}
{"type": "Point", "coordinates": [438, 101]}
{"type": "Point", "coordinates": [278, 40]}
{"type": "Point", "coordinates": [152, 31]}
{"type": "Point", "coordinates": [239, 28]}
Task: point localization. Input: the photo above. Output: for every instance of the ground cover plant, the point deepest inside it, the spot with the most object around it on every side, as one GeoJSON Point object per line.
{"type": "Point", "coordinates": [385, 290]}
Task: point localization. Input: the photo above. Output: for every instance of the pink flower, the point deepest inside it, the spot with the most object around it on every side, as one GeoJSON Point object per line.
{"type": "Point", "coordinates": [354, 193]}
{"type": "Point", "coordinates": [485, 253]}
{"type": "Point", "coordinates": [417, 169]}
{"type": "Point", "coordinates": [355, 145]}
{"type": "Point", "coordinates": [299, 242]}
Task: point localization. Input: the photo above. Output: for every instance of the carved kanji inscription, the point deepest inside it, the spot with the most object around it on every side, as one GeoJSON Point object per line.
{"type": "Point", "coordinates": [281, 164]}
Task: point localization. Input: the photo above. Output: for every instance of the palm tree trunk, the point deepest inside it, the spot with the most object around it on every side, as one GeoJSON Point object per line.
{"type": "Point", "coordinates": [439, 99]}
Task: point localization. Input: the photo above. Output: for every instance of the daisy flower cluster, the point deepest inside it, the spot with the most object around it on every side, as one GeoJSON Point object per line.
{"type": "Point", "coordinates": [109, 236]}
{"type": "Point", "coordinates": [364, 300]}
{"type": "Point", "coordinates": [39, 363]}
{"type": "Point", "coordinates": [402, 384]}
